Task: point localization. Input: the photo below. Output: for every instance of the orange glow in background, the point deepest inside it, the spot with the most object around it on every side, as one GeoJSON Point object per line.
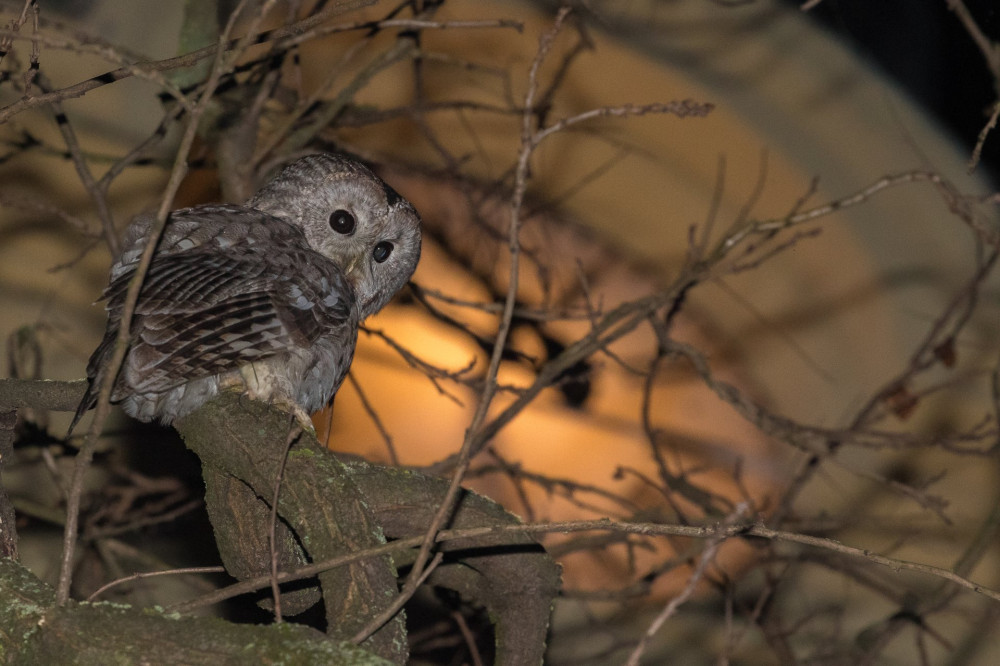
{"type": "Point", "coordinates": [810, 334]}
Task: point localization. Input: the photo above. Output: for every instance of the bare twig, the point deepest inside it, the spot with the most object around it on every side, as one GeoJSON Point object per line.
{"type": "Point", "coordinates": [272, 544]}
{"type": "Point", "coordinates": [990, 125]}
{"type": "Point", "coordinates": [87, 178]}
{"type": "Point", "coordinates": [83, 458]}
{"type": "Point", "coordinates": [796, 218]}
{"type": "Point", "coordinates": [986, 47]}
{"type": "Point", "coordinates": [143, 575]}
{"type": "Point", "coordinates": [707, 556]}
{"type": "Point", "coordinates": [990, 51]}
{"type": "Point", "coordinates": [683, 109]}
{"type": "Point", "coordinates": [409, 589]}
{"type": "Point", "coordinates": [489, 533]}
{"type": "Point", "coordinates": [514, 246]}
{"type": "Point", "coordinates": [373, 414]}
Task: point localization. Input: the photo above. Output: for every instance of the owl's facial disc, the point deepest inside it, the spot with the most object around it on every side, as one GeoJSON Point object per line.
{"type": "Point", "coordinates": [350, 215]}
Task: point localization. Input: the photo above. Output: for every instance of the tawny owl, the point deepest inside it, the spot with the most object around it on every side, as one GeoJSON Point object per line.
{"type": "Point", "coordinates": [264, 297]}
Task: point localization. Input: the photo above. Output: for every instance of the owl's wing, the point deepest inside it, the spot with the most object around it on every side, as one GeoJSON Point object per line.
{"type": "Point", "coordinates": [222, 226]}
{"type": "Point", "coordinates": [205, 311]}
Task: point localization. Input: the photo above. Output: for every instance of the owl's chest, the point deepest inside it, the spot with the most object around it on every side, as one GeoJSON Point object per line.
{"type": "Point", "coordinates": [322, 368]}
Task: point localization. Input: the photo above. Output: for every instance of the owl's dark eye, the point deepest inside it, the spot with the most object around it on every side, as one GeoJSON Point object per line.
{"type": "Point", "coordinates": [342, 222]}
{"type": "Point", "coordinates": [382, 251]}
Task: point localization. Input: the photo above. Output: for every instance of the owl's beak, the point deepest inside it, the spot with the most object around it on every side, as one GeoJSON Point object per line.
{"type": "Point", "coordinates": [351, 267]}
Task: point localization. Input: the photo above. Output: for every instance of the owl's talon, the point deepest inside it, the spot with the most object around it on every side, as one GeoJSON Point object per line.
{"type": "Point", "coordinates": [296, 411]}
{"type": "Point", "coordinates": [302, 418]}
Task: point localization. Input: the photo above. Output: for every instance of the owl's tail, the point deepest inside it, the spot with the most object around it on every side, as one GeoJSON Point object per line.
{"type": "Point", "coordinates": [96, 369]}
{"type": "Point", "coordinates": [87, 403]}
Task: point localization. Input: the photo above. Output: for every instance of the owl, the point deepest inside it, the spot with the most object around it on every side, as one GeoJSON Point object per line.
{"type": "Point", "coordinates": [265, 298]}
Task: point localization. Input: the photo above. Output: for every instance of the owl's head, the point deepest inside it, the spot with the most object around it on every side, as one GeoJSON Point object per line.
{"type": "Point", "coordinates": [351, 216]}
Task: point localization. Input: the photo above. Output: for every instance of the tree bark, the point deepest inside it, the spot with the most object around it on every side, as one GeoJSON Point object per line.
{"type": "Point", "coordinates": [33, 630]}
{"type": "Point", "coordinates": [510, 575]}
{"type": "Point", "coordinates": [247, 441]}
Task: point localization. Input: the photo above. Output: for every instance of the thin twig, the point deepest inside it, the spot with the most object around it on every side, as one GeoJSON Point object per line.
{"type": "Point", "coordinates": [990, 125]}
{"type": "Point", "coordinates": [772, 225]}
{"type": "Point", "coordinates": [490, 385]}
{"type": "Point", "coordinates": [142, 575]}
{"type": "Point", "coordinates": [373, 415]}
{"type": "Point", "coordinates": [272, 539]}
{"type": "Point", "coordinates": [397, 605]}
{"type": "Point", "coordinates": [489, 534]}
{"type": "Point", "coordinates": [470, 640]}
{"type": "Point", "coordinates": [986, 47]}
{"type": "Point", "coordinates": [87, 178]}
{"type": "Point", "coordinates": [682, 109]}
{"type": "Point", "coordinates": [707, 556]}
{"type": "Point", "coordinates": [103, 407]}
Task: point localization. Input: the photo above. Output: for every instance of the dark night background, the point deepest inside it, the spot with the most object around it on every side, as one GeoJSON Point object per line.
{"type": "Point", "coordinates": [923, 45]}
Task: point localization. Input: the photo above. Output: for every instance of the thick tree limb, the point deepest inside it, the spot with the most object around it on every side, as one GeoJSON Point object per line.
{"type": "Point", "coordinates": [41, 394]}
{"type": "Point", "coordinates": [241, 521]}
{"type": "Point", "coordinates": [510, 575]}
{"type": "Point", "coordinates": [8, 526]}
{"type": "Point", "coordinates": [36, 631]}
{"type": "Point", "coordinates": [318, 501]}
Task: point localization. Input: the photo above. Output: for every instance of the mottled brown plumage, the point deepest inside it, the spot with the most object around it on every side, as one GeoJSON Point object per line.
{"type": "Point", "coordinates": [265, 297]}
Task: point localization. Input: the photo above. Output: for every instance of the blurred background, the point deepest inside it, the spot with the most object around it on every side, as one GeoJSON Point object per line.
{"type": "Point", "coordinates": [810, 108]}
